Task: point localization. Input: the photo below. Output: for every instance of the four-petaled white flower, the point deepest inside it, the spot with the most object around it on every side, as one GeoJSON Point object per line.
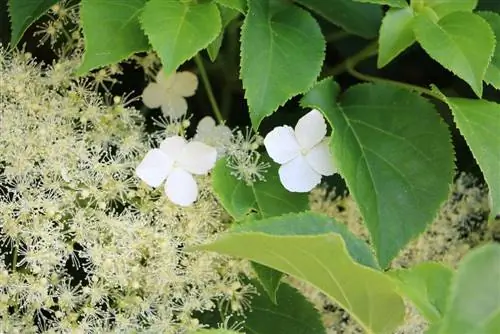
{"type": "Point", "coordinates": [169, 93]}
{"type": "Point", "coordinates": [218, 136]}
{"type": "Point", "coordinates": [176, 161]}
{"type": "Point", "coordinates": [302, 153]}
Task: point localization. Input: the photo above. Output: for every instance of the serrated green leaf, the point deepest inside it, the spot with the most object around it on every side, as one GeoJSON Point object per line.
{"type": "Point", "coordinates": [395, 154]}
{"type": "Point", "coordinates": [391, 3]}
{"type": "Point", "coordinates": [445, 7]}
{"type": "Point", "coordinates": [464, 49]}
{"type": "Point", "coordinates": [357, 18]}
{"type": "Point", "coordinates": [396, 34]}
{"type": "Point", "coordinates": [239, 5]}
{"type": "Point", "coordinates": [492, 75]}
{"type": "Point", "coordinates": [479, 122]}
{"type": "Point", "coordinates": [112, 32]}
{"type": "Point", "coordinates": [177, 30]}
{"type": "Point", "coordinates": [323, 261]}
{"type": "Point", "coordinates": [474, 304]}
{"type": "Point", "coordinates": [269, 278]}
{"type": "Point", "coordinates": [292, 314]}
{"type": "Point", "coordinates": [426, 285]}
{"type": "Point", "coordinates": [281, 55]}
{"type": "Point", "coordinates": [227, 15]}
{"type": "Point", "coordinates": [23, 13]}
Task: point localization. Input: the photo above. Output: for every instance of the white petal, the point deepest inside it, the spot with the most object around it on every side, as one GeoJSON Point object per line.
{"type": "Point", "coordinates": [153, 95]}
{"type": "Point", "coordinates": [185, 84]}
{"type": "Point", "coordinates": [181, 187]}
{"type": "Point", "coordinates": [281, 144]}
{"type": "Point", "coordinates": [198, 158]}
{"type": "Point", "coordinates": [206, 124]}
{"type": "Point", "coordinates": [164, 80]}
{"type": "Point", "coordinates": [320, 158]}
{"type": "Point", "coordinates": [298, 176]}
{"type": "Point", "coordinates": [310, 129]}
{"type": "Point", "coordinates": [174, 106]}
{"type": "Point", "coordinates": [154, 168]}
{"type": "Point", "coordinates": [173, 146]}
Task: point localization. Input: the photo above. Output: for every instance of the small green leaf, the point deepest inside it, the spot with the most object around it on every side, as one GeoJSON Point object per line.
{"type": "Point", "coordinates": [292, 314]}
{"type": "Point", "coordinates": [23, 13]}
{"type": "Point", "coordinates": [492, 76]}
{"type": "Point", "coordinates": [479, 123]}
{"type": "Point", "coordinates": [112, 32]}
{"type": "Point", "coordinates": [269, 278]}
{"type": "Point", "coordinates": [391, 3]}
{"type": "Point", "coordinates": [282, 51]}
{"type": "Point", "coordinates": [445, 7]}
{"type": "Point", "coordinates": [239, 5]}
{"type": "Point", "coordinates": [227, 15]}
{"type": "Point", "coordinates": [323, 261]}
{"type": "Point", "coordinates": [464, 49]}
{"type": "Point", "coordinates": [357, 18]}
{"type": "Point", "coordinates": [395, 154]}
{"type": "Point", "coordinates": [396, 34]}
{"type": "Point", "coordinates": [177, 30]}
{"type": "Point", "coordinates": [426, 285]}
{"type": "Point", "coordinates": [268, 198]}
{"type": "Point", "coordinates": [474, 302]}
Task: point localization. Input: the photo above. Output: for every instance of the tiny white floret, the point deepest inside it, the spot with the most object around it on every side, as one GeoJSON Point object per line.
{"type": "Point", "coordinates": [169, 93]}
{"type": "Point", "coordinates": [302, 152]}
{"type": "Point", "coordinates": [176, 161]}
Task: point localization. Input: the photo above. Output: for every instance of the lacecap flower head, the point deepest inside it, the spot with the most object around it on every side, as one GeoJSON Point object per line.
{"type": "Point", "coordinates": [169, 93]}
{"type": "Point", "coordinates": [302, 152]}
{"type": "Point", "coordinates": [176, 161]}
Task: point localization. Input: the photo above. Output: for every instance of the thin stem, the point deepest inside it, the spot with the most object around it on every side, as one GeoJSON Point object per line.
{"type": "Point", "coordinates": [14, 256]}
{"type": "Point", "coordinates": [208, 88]}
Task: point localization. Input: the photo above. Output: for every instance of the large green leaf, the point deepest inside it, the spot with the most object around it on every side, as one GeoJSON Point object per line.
{"type": "Point", "coordinates": [356, 18]}
{"type": "Point", "coordinates": [112, 31]}
{"type": "Point", "coordinates": [23, 13]}
{"type": "Point", "coordinates": [395, 155]}
{"type": "Point", "coordinates": [292, 314]}
{"type": "Point", "coordinates": [492, 76]}
{"type": "Point", "coordinates": [445, 7]}
{"type": "Point", "coordinates": [391, 3]}
{"type": "Point", "coordinates": [462, 42]}
{"type": "Point", "coordinates": [322, 260]}
{"type": "Point", "coordinates": [426, 285]}
{"type": "Point", "coordinates": [178, 30]}
{"type": "Point", "coordinates": [479, 123]}
{"type": "Point", "coordinates": [282, 51]}
{"type": "Point", "coordinates": [396, 34]}
{"type": "Point", "coordinates": [474, 301]}
{"type": "Point", "coordinates": [239, 5]}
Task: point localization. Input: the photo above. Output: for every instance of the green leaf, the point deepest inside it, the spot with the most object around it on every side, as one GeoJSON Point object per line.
{"type": "Point", "coordinates": [269, 278]}
{"type": "Point", "coordinates": [282, 51]}
{"type": "Point", "coordinates": [474, 306]}
{"type": "Point", "coordinates": [177, 30]}
{"type": "Point", "coordinates": [464, 49]}
{"type": "Point", "coordinates": [216, 331]}
{"type": "Point", "coordinates": [492, 75]}
{"type": "Point", "coordinates": [239, 5]}
{"type": "Point", "coordinates": [426, 285]}
{"type": "Point", "coordinates": [445, 7]}
{"type": "Point", "coordinates": [396, 34]}
{"type": "Point", "coordinates": [357, 18]}
{"type": "Point", "coordinates": [391, 3]}
{"type": "Point", "coordinates": [292, 314]}
{"type": "Point", "coordinates": [23, 13]}
{"type": "Point", "coordinates": [268, 198]}
{"type": "Point", "coordinates": [112, 32]}
{"type": "Point", "coordinates": [479, 123]}
{"type": "Point", "coordinates": [323, 261]}
{"type": "Point", "coordinates": [227, 15]}
{"type": "Point", "coordinates": [395, 154]}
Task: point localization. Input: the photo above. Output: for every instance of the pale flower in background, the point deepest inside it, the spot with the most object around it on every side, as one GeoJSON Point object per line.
{"type": "Point", "coordinates": [302, 152]}
{"type": "Point", "coordinates": [170, 92]}
{"type": "Point", "coordinates": [176, 161]}
{"type": "Point", "coordinates": [218, 136]}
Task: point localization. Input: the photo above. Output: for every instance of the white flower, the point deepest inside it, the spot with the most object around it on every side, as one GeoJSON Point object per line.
{"type": "Point", "coordinates": [218, 136]}
{"type": "Point", "coordinates": [302, 153]}
{"type": "Point", "coordinates": [169, 93]}
{"type": "Point", "coordinates": [176, 161]}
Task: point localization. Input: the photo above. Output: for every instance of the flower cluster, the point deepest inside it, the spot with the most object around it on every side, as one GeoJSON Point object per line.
{"type": "Point", "coordinates": [85, 247]}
